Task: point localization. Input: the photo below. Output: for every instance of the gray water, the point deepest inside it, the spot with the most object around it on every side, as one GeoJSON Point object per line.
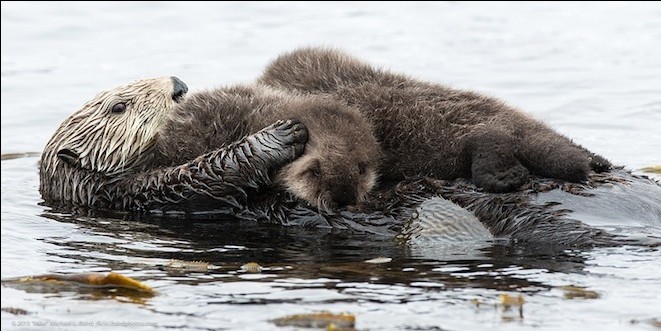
{"type": "Point", "coordinates": [592, 71]}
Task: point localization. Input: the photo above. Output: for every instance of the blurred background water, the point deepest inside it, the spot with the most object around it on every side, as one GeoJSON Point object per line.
{"type": "Point", "coordinates": [590, 70]}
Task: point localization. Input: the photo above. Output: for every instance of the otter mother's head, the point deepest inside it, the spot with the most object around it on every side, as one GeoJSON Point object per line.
{"type": "Point", "coordinates": [110, 135]}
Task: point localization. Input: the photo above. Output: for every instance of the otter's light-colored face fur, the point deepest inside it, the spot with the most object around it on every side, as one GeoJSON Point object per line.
{"type": "Point", "coordinates": [333, 172]}
{"type": "Point", "coordinates": [111, 133]}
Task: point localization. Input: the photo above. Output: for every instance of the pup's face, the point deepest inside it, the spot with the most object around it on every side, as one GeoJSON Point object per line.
{"type": "Point", "coordinates": [338, 169]}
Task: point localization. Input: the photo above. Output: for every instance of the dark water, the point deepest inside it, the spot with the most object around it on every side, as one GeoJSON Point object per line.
{"type": "Point", "coordinates": [593, 71]}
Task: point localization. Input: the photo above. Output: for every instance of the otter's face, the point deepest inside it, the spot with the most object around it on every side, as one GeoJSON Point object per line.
{"type": "Point", "coordinates": [333, 174]}
{"type": "Point", "coordinates": [111, 133]}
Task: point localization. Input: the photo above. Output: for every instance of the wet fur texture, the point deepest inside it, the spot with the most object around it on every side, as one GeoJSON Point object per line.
{"type": "Point", "coordinates": [433, 130]}
{"type": "Point", "coordinates": [341, 159]}
{"type": "Point", "coordinates": [104, 159]}
{"type": "Point", "coordinates": [527, 217]}
{"type": "Point", "coordinates": [233, 181]}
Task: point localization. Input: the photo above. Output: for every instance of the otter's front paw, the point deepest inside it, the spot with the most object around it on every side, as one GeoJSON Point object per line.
{"type": "Point", "coordinates": [599, 164]}
{"type": "Point", "coordinates": [499, 180]}
{"type": "Point", "coordinates": [279, 143]}
{"type": "Point", "coordinates": [290, 133]}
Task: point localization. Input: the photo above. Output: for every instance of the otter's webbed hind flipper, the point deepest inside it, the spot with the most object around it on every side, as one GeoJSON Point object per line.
{"type": "Point", "coordinates": [494, 166]}
{"type": "Point", "coordinates": [549, 154]}
{"type": "Point", "coordinates": [218, 179]}
{"type": "Point", "coordinates": [599, 164]}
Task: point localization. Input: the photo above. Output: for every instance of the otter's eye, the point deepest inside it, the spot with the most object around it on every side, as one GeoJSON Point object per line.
{"type": "Point", "coordinates": [118, 108]}
{"type": "Point", "coordinates": [362, 167]}
{"type": "Point", "coordinates": [315, 170]}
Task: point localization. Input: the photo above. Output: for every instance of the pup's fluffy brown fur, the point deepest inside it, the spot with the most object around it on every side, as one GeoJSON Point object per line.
{"type": "Point", "coordinates": [340, 163]}
{"type": "Point", "coordinates": [430, 129]}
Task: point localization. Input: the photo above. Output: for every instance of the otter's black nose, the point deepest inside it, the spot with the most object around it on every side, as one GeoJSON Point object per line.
{"type": "Point", "coordinates": [344, 196]}
{"type": "Point", "coordinates": [180, 88]}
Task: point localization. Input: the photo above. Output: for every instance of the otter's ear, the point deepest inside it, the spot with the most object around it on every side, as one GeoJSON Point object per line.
{"type": "Point", "coordinates": [68, 155]}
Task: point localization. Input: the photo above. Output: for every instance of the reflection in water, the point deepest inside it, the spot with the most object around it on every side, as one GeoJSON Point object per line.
{"type": "Point", "coordinates": [298, 253]}
{"type": "Point", "coordinates": [300, 266]}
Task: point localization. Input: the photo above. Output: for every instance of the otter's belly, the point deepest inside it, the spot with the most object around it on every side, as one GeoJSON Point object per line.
{"type": "Point", "coordinates": [616, 208]}
{"type": "Point", "coordinates": [442, 229]}
{"type": "Point", "coordinates": [634, 202]}
{"type": "Point", "coordinates": [613, 208]}
{"type": "Point", "coordinates": [630, 209]}
{"type": "Point", "coordinates": [440, 220]}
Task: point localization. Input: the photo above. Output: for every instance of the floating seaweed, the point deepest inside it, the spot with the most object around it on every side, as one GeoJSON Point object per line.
{"type": "Point", "coordinates": [199, 266]}
{"type": "Point", "coordinates": [576, 292]}
{"type": "Point", "coordinates": [653, 169]}
{"type": "Point", "coordinates": [110, 284]}
{"type": "Point", "coordinates": [330, 321]}
{"type": "Point", "coordinates": [252, 267]}
{"type": "Point", "coordinates": [508, 301]}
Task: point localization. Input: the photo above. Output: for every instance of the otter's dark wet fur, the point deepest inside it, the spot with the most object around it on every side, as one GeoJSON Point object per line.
{"type": "Point", "coordinates": [339, 166]}
{"type": "Point", "coordinates": [102, 156]}
{"type": "Point", "coordinates": [433, 130]}
{"type": "Point", "coordinates": [523, 216]}
{"type": "Point", "coordinates": [234, 182]}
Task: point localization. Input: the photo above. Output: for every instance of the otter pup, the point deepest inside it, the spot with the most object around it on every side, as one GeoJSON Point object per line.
{"type": "Point", "coordinates": [339, 166]}
{"type": "Point", "coordinates": [430, 129]}
{"type": "Point", "coordinates": [102, 156]}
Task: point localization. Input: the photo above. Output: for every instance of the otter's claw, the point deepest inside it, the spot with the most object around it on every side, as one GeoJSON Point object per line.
{"type": "Point", "coordinates": [280, 142]}
{"type": "Point", "coordinates": [599, 164]}
{"type": "Point", "coordinates": [291, 132]}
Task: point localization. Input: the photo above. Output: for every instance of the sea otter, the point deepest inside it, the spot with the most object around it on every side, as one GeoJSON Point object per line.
{"type": "Point", "coordinates": [91, 162]}
{"type": "Point", "coordinates": [341, 159]}
{"type": "Point", "coordinates": [103, 157]}
{"type": "Point", "coordinates": [433, 130]}
{"type": "Point", "coordinates": [144, 146]}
